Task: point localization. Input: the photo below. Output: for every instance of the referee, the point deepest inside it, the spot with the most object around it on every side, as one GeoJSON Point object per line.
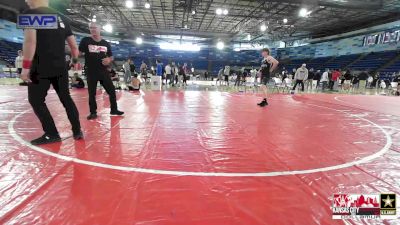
{"type": "Point", "coordinates": [44, 65]}
{"type": "Point", "coordinates": [98, 56]}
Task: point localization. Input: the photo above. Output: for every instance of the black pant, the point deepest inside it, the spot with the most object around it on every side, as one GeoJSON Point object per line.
{"type": "Point", "coordinates": [238, 80]}
{"type": "Point", "coordinates": [170, 77]}
{"type": "Point", "coordinates": [106, 82]}
{"type": "Point", "coordinates": [37, 92]}
{"type": "Point", "coordinates": [331, 84]}
{"type": "Point", "coordinates": [299, 82]}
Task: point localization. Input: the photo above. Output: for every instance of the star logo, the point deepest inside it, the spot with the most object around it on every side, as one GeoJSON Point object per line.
{"type": "Point", "coordinates": [388, 201]}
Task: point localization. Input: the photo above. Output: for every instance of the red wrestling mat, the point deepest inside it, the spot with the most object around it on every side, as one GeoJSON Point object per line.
{"type": "Point", "coordinates": [198, 158]}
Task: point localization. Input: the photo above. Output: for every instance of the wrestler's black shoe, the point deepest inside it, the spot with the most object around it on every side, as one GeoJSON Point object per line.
{"type": "Point", "coordinates": [78, 135]}
{"type": "Point", "coordinates": [263, 103]}
{"type": "Point", "coordinates": [92, 116]}
{"type": "Point", "coordinates": [46, 139]}
{"type": "Point", "coordinates": [116, 113]}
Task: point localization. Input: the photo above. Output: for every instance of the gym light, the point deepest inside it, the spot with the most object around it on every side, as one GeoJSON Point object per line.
{"type": "Point", "coordinates": [129, 4]}
{"type": "Point", "coordinates": [220, 45]}
{"type": "Point", "coordinates": [108, 28]}
{"type": "Point", "coordinates": [218, 11]}
{"type": "Point", "coordinates": [304, 12]}
{"type": "Point", "coordinates": [94, 20]}
{"type": "Point", "coordinates": [94, 16]}
{"type": "Point", "coordinates": [193, 12]}
{"type": "Point", "coordinates": [285, 20]}
{"type": "Point", "coordinates": [249, 37]}
{"type": "Point", "coordinates": [147, 5]}
{"type": "Point", "coordinates": [236, 49]}
{"type": "Point", "coordinates": [263, 28]}
{"type": "Point", "coordinates": [139, 41]}
{"type": "Point", "coordinates": [225, 12]}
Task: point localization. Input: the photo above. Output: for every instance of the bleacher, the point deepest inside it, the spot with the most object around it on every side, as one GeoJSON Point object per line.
{"type": "Point", "coordinates": [394, 68]}
{"type": "Point", "coordinates": [9, 51]}
{"type": "Point", "coordinates": [318, 63]}
{"type": "Point", "coordinates": [294, 64]}
{"type": "Point", "coordinates": [373, 60]}
{"type": "Point", "coordinates": [341, 62]}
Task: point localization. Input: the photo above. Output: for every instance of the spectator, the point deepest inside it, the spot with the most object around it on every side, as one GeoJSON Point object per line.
{"type": "Point", "coordinates": [133, 67]}
{"type": "Point", "coordinates": [143, 69]}
{"type": "Point", "coordinates": [253, 74]}
{"type": "Point", "coordinates": [238, 78]}
{"type": "Point", "coordinates": [397, 78]}
{"type": "Point", "coordinates": [18, 62]}
{"type": "Point", "coordinates": [18, 65]}
{"type": "Point", "coordinates": [310, 78]}
{"type": "Point", "coordinates": [356, 82]}
{"type": "Point", "coordinates": [227, 72]}
{"type": "Point", "coordinates": [168, 72]}
{"type": "Point", "coordinates": [182, 73]}
{"type": "Point", "coordinates": [300, 76]}
{"type": "Point", "coordinates": [159, 70]}
{"type": "Point", "coordinates": [317, 76]}
{"type": "Point", "coordinates": [244, 75]}
{"type": "Point", "coordinates": [77, 82]}
{"type": "Point", "coordinates": [220, 76]}
{"type": "Point", "coordinates": [325, 79]}
{"type": "Point", "coordinates": [369, 81]}
{"type": "Point", "coordinates": [347, 80]}
{"type": "Point", "coordinates": [335, 76]}
{"type": "Point", "coordinates": [135, 84]}
{"type": "Point", "coordinates": [127, 70]}
{"type": "Point", "coordinates": [284, 74]}
{"type": "Point", "coordinates": [175, 73]}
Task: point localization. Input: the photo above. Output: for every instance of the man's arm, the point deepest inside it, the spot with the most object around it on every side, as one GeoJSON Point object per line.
{"type": "Point", "coordinates": [82, 46]}
{"type": "Point", "coordinates": [296, 74]}
{"type": "Point", "coordinates": [274, 62]}
{"type": "Point", "coordinates": [74, 47]}
{"type": "Point", "coordinates": [109, 58]}
{"type": "Point", "coordinates": [29, 48]}
{"type": "Point", "coordinates": [306, 77]}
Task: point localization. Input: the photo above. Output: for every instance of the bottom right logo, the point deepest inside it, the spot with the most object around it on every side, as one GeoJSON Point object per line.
{"type": "Point", "coordinates": [388, 206]}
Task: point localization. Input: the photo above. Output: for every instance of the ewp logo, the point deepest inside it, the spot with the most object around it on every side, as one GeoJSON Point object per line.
{"type": "Point", "coordinates": [37, 21]}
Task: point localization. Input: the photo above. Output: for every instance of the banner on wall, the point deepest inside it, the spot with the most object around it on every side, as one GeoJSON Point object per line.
{"type": "Point", "coordinates": [382, 38]}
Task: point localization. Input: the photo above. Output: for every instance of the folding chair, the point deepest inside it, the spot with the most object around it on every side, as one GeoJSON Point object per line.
{"type": "Point", "coordinates": [249, 83]}
{"type": "Point", "coordinates": [288, 84]}
{"type": "Point", "coordinates": [394, 87]}
{"type": "Point", "coordinates": [277, 83]}
{"type": "Point", "coordinates": [14, 71]}
{"type": "Point", "coordinates": [7, 70]}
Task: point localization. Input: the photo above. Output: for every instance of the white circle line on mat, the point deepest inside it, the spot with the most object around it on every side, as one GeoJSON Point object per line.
{"type": "Point", "coordinates": [209, 174]}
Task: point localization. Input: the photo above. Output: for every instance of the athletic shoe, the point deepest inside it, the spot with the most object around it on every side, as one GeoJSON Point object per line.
{"type": "Point", "coordinates": [78, 136]}
{"type": "Point", "coordinates": [116, 113]}
{"type": "Point", "coordinates": [45, 139]}
{"type": "Point", "coordinates": [263, 103]}
{"type": "Point", "coordinates": [92, 116]}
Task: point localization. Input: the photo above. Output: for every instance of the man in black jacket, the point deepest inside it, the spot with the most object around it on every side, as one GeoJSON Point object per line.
{"type": "Point", "coordinates": [44, 65]}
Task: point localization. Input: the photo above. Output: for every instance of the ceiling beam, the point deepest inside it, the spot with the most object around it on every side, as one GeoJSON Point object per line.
{"type": "Point", "coordinates": [205, 13]}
